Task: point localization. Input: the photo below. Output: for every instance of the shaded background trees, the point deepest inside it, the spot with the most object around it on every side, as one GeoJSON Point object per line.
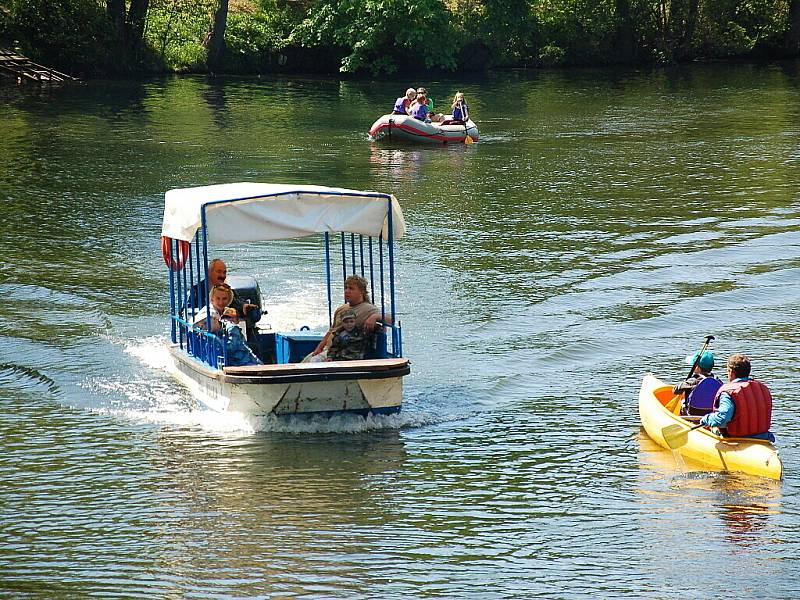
{"type": "Point", "coordinates": [387, 36]}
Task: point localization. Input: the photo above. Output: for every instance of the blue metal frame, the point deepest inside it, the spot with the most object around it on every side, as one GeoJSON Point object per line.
{"type": "Point", "coordinates": [188, 292]}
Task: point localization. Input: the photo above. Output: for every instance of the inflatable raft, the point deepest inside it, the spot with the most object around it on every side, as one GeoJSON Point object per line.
{"type": "Point", "coordinates": [402, 128]}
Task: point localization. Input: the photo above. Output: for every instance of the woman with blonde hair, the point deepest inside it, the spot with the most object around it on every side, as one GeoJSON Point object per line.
{"type": "Point", "coordinates": [460, 108]}
{"type": "Point", "coordinates": [402, 105]}
{"type": "Point", "coordinates": [357, 303]}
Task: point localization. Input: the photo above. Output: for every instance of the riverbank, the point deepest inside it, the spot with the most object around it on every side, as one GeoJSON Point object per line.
{"type": "Point", "coordinates": [247, 38]}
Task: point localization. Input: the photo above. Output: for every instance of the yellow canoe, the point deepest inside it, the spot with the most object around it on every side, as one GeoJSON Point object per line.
{"type": "Point", "coordinates": [745, 455]}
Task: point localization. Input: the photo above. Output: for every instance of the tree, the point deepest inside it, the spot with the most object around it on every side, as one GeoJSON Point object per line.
{"type": "Point", "coordinates": [130, 28]}
{"type": "Point", "coordinates": [793, 33]}
{"type": "Point", "coordinates": [624, 34]}
{"type": "Point", "coordinates": [215, 38]}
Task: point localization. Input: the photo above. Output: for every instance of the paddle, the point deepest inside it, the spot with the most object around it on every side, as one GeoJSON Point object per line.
{"type": "Point", "coordinates": [465, 116]}
{"type": "Point", "coordinates": [677, 435]}
{"type": "Point", "coordinates": [709, 339]}
{"type": "Point", "coordinates": [672, 404]}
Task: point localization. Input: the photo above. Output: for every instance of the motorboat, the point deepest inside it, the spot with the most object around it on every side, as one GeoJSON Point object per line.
{"type": "Point", "coordinates": [357, 232]}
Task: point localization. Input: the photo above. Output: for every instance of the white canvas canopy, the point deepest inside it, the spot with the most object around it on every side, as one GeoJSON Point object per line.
{"type": "Point", "coordinates": [248, 212]}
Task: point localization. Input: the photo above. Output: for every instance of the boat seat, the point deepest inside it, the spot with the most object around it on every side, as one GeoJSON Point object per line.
{"type": "Point", "coordinates": [701, 400]}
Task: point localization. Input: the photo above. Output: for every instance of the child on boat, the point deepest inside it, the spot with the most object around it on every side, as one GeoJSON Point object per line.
{"type": "Point", "coordinates": [224, 320]}
{"type": "Point", "coordinates": [419, 110]}
{"type": "Point", "coordinates": [433, 116]}
{"type": "Point", "coordinates": [402, 105]}
{"type": "Point", "coordinates": [460, 108]}
{"type": "Point", "coordinates": [349, 342]}
{"type": "Point", "coordinates": [703, 370]}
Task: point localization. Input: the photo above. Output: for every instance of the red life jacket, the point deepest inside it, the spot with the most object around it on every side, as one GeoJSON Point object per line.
{"type": "Point", "coordinates": [753, 403]}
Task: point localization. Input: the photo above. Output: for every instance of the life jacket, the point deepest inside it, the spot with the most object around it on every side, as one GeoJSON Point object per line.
{"type": "Point", "coordinates": [400, 106]}
{"type": "Point", "coordinates": [419, 111]}
{"type": "Point", "coordinates": [753, 413]}
{"type": "Point", "coordinates": [700, 400]}
{"type": "Point", "coordinates": [461, 112]}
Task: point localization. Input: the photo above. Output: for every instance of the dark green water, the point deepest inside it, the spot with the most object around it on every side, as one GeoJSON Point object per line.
{"type": "Point", "coordinates": [602, 226]}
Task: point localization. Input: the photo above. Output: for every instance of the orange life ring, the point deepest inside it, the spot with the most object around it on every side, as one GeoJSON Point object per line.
{"type": "Point", "coordinates": [176, 263]}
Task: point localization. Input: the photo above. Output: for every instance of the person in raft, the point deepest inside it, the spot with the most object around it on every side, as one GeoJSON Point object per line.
{"type": "Point", "coordinates": [402, 105]}
{"type": "Point", "coordinates": [356, 300]}
{"type": "Point", "coordinates": [703, 370]}
{"type": "Point", "coordinates": [433, 116]}
{"type": "Point", "coordinates": [219, 317]}
{"type": "Point", "coordinates": [419, 110]}
{"type": "Point", "coordinates": [460, 108]}
{"type": "Point", "coordinates": [743, 406]}
{"type": "Point", "coordinates": [349, 342]}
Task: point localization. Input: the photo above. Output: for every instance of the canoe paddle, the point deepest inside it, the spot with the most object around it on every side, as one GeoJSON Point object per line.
{"type": "Point", "coordinates": [672, 405]}
{"type": "Point", "coordinates": [709, 339]}
{"type": "Point", "coordinates": [677, 435]}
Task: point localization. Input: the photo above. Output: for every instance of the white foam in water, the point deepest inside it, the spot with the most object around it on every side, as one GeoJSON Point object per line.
{"type": "Point", "coordinates": [152, 352]}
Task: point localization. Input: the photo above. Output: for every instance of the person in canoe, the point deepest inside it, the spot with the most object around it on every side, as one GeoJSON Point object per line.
{"type": "Point", "coordinates": [743, 406]}
{"type": "Point", "coordinates": [703, 370]}
{"type": "Point", "coordinates": [402, 105]}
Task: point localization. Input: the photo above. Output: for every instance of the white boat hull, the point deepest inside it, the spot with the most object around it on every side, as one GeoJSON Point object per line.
{"type": "Point", "coordinates": [370, 386]}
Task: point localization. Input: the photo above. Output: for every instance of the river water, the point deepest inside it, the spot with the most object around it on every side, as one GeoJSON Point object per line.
{"type": "Point", "coordinates": [605, 223]}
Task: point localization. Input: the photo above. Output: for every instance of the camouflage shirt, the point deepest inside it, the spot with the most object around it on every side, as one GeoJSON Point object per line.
{"type": "Point", "coordinates": [348, 345]}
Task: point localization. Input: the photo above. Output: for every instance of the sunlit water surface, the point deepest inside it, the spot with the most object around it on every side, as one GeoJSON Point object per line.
{"type": "Point", "coordinates": [601, 227]}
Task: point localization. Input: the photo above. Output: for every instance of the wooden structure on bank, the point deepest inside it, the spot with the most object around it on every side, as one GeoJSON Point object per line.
{"type": "Point", "coordinates": [24, 69]}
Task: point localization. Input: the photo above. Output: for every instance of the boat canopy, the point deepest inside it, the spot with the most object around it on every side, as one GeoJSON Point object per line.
{"type": "Point", "coordinates": [248, 212]}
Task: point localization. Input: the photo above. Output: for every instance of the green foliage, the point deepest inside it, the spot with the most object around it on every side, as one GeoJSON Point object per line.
{"type": "Point", "coordinates": [383, 35]}
{"type": "Point", "coordinates": [584, 29]}
{"type": "Point", "coordinates": [736, 27]}
{"type": "Point", "coordinates": [175, 32]}
{"type": "Point", "coordinates": [71, 35]}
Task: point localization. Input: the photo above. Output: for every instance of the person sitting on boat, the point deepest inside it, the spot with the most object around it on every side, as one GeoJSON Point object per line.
{"type": "Point", "coordinates": [743, 406]}
{"type": "Point", "coordinates": [349, 342]}
{"type": "Point", "coordinates": [249, 312]}
{"type": "Point", "coordinates": [419, 110]}
{"type": "Point", "coordinates": [402, 105]}
{"type": "Point", "coordinates": [702, 370]}
{"type": "Point", "coordinates": [460, 108]}
{"type": "Point", "coordinates": [221, 318]}
{"type": "Point", "coordinates": [433, 116]}
{"type": "Point", "coordinates": [357, 301]}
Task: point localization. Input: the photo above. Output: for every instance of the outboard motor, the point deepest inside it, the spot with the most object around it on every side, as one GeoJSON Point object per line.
{"type": "Point", "coordinates": [246, 288]}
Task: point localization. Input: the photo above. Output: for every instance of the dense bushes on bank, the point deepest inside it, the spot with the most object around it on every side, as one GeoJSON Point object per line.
{"type": "Point", "coordinates": [386, 36]}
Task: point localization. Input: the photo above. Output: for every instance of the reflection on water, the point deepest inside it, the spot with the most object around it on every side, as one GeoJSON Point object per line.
{"type": "Point", "coordinates": [604, 224]}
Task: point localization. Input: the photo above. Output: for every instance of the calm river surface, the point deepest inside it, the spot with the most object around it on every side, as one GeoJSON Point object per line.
{"type": "Point", "coordinates": [602, 226]}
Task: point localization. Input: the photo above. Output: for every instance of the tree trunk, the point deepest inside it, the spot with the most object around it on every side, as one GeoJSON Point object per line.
{"type": "Point", "coordinates": [137, 13]}
{"type": "Point", "coordinates": [793, 34]}
{"type": "Point", "coordinates": [215, 39]}
{"type": "Point", "coordinates": [624, 34]}
{"type": "Point", "coordinates": [116, 12]}
{"type": "Point", "coordinates": [689, 27]}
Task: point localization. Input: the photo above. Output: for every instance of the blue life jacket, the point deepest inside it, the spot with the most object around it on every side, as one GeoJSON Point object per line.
{"type": "Point", "coordinates": [461, 112]}
{"type": "Point", "coordinates": [400, 106]}
{"type": "Point", "coordinates": [701, 400]}
{"type": "Point", "coordinates": [420, 111]}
